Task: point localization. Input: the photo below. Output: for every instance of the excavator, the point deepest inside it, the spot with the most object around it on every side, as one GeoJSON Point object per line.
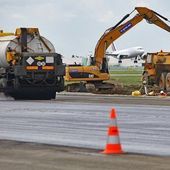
{"type": "Point", "coordinates": [92, 78]}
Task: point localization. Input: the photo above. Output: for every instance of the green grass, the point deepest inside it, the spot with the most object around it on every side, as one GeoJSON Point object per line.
{"type": "Point", "coordinates": [125, 72]}
{"type": "Point", "coordinates": [127, 80]}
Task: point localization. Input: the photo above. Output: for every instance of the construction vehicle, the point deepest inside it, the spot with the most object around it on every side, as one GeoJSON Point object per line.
{"type": "Point", "coordinates": [157, 70]}
{"type": "Point", "coordinates": [29, 66]}
{"type": "Point", "coordinates": [93, 76]}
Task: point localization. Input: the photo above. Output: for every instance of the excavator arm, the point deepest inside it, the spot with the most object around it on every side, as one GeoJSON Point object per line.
{"type": "Point", "coordinates": [119, 29]}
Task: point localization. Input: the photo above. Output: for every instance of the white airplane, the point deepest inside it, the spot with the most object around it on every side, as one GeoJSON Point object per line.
{"type": "Point", "coordinates": [129, 53]}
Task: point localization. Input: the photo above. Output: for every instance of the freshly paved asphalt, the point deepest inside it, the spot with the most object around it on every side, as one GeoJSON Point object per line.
{"type": "Point", "coordinates": [82, 120]}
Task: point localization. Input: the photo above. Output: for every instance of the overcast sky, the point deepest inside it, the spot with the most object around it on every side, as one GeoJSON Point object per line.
{"type": "Point", "coordinates": [74, 26]}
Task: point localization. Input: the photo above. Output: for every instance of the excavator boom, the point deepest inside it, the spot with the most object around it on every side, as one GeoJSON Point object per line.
{"type": "Point", "coordinates": [115, 32]}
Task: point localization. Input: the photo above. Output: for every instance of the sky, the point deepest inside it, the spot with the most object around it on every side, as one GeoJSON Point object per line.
{"type": "Point", "coordinates": [75, 26]}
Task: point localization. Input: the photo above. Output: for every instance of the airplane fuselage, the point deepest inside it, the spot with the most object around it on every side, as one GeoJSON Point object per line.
{"type": "Point", "coordinates": [128, 53]}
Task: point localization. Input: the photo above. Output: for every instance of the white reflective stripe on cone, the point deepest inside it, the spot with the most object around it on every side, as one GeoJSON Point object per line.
{"type": "Point", "coordinates": [113, 140]}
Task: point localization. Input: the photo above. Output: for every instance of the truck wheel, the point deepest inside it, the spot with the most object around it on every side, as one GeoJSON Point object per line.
{"type": "Point", "coordinates": [162, 82]}
{"type": "Point", "coordinates": [168, 82]}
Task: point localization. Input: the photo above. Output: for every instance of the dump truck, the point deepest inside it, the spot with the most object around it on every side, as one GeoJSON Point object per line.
{"type": "Point", "coordinates": [29, 66]}
{"type": "Point", "coordinates": [157, 70]}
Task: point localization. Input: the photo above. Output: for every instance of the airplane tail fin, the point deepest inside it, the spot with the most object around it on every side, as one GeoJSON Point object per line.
{"type": "Point", "coordinates": [113, 47]}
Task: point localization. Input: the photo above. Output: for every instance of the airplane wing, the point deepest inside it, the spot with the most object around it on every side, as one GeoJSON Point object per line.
{"type": "Point", "coordinates": [113, 55]}
{"type": "Point", "coordinates": [118, 56]}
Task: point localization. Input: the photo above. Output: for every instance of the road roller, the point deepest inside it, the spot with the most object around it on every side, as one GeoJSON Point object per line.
{"type": "Point", "coordinates": [29, 66]}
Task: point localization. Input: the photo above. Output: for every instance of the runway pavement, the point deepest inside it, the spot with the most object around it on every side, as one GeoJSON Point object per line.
{"type": "Point", "coordinates": [143, 128]}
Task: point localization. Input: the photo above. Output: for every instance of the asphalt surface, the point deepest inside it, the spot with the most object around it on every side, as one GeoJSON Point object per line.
{"type": "Point", "coordinates": [33, 156]}
{"type": "Point", "coordinates": [82, 120]}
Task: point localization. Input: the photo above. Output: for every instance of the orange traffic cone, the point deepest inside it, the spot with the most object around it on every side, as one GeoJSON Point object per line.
{"type": "Point", "coordinates": [113, 145]}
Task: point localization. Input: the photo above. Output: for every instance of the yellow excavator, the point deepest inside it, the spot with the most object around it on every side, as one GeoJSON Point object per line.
{"type": "Point", "coordinates": [92, 77]}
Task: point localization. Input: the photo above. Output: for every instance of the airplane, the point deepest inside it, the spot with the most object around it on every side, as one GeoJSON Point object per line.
{"type": "Point", "coordinates": [129, 53]}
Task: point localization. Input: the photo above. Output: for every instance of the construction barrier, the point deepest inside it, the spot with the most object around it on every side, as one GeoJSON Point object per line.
{"type": "Point", "coordinates": [113, 145]}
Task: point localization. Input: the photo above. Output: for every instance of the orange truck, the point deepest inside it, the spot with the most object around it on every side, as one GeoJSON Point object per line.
{"type": "Point", "coordinates": [157, 70]}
